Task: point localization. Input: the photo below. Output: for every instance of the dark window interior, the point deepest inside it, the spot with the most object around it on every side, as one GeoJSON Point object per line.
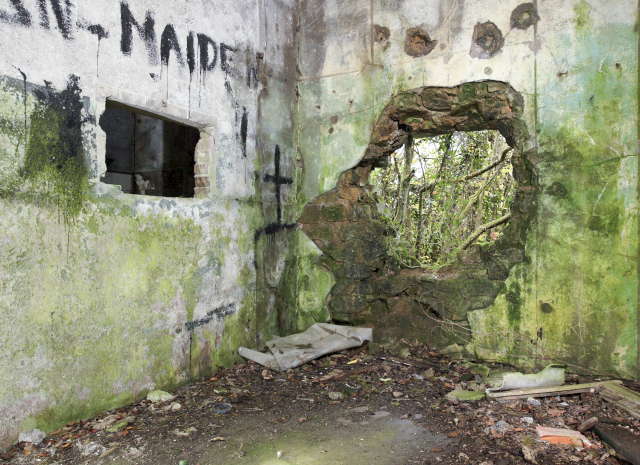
{"type": "Point", "coordinates": [147, 155]}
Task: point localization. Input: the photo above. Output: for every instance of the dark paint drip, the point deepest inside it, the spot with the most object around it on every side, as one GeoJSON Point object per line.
{"type": "Point", "coordinates": [98, 31]}
{"type": "Point", "coordinates": [243, 131]}
{"type": "Point", "coordinates": [24, 81]}
{"type": "Point", "coordinates": [191, 62]}
{"type": "Point", "coordinates": [21, 15]}
{"type": "Point", "coordinates": [207, 62]}
{"type": "Point", "coordinates": [146, 32]}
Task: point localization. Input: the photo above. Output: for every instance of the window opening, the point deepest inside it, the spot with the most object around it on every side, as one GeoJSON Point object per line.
{"type": "Point", "coordinates": [441, 194]}
{"type": "Point", "coordinates": [148, 155]}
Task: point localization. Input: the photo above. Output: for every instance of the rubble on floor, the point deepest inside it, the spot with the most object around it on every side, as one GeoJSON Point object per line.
{"type": "Point", "coordinates": [347, 390]}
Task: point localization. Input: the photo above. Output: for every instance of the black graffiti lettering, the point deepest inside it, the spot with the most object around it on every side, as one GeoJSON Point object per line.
{"type": "Point", "coordinates": [272, 229]}
{"type": "Point", "coordinates": [44, 16]}
{"type": "Point", "coordinates": [279, 181]}
{"type": "Point", "coordinates": [226, 59]}
{"type": "Point", "coordinates": [146, 32]}
{"type": "Point", "coordinates": [61, 13]}
{"type": "Point", "coordinates": [204, 44]}
{"type": "Point", "coordinates": [21, 16]}
{"type": "Point", "coordinates": [191, 53]}
{"type": "Point", "coordinates": [244, 123]}
{"type": "Point", "coordinates": [168, 42]}
{"type": "Point", "coordinates": [211, 314]}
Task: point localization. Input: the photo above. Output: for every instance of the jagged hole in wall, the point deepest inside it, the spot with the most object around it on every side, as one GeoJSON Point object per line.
{"type": "Point", "coordinates": [402, 299]}
{"type": "Point", "coordinates": [148, 155]}
{"type": "Point", "coordinates": [441, 194]}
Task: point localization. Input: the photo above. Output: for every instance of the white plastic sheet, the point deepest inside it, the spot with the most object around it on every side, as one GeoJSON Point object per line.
{"type": "Point", "coordinates": [298, 349]}
{"type": "Point", "coordinates": [552, 375]}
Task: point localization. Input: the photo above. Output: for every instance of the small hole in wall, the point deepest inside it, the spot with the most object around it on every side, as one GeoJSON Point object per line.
{"type": "Point", "coordinates": [546, 307]}
{"type": "Point", "coordinates": [148, 155]}
{"type": "Point", "coordinates": [435, 314]}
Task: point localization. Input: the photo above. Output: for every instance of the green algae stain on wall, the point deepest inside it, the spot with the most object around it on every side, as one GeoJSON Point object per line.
{"type": "Point", "coordinates": [582, 15]}
{"type": "Point", "coordinates": [55, 165]}
{"type": "Point", "coordinates": [314, 284]}
{"type": "Point", "coordinates": [581, 305]}
{"type": "Point", "coordinates": [100, 323]}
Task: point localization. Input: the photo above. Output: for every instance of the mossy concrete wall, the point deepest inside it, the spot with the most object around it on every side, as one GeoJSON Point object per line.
{"type": "Point", "coordinates": [105, 295]}
{"type": "Point", "coordinates": [573, 298]}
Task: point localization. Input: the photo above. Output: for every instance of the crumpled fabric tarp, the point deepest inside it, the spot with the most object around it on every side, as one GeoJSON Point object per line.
{"type": "Point", "coordinates": [298, 349]}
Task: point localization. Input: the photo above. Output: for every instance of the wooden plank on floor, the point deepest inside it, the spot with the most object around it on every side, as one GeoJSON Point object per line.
{"type": "Point", "coordinates": [549, 391]}
{"type": "Point", "coordinates": [623, 397]}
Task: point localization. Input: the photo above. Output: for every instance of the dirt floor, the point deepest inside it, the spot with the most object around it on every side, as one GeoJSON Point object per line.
{"type": "Point", "coordinates": [352, 408]}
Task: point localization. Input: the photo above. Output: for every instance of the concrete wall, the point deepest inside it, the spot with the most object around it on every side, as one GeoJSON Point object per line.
{"type": "Point", "coordinates": [105, 295]}
{"type": "Point", "coordinates": [574, 296]}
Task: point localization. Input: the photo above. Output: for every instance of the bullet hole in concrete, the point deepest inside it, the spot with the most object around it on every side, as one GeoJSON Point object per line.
{"type": "Point", "coordinates": [524, 16]}
{"type": "Point", "coordinates": [148, 155]}
{"type": "Point", "coordinates": [487, 40]}
{"type": "Point", "coordinates": [488, 71]}
{"type": "Point", "coordinates": [330, 130]}
{"type": "Point", "coordinates": [418, 43]}
{"type": "Point", "coordinates": [546, 307]}
{"type": "Point", "coordinates": [381, 34]}
{"type": "Point", "coordinates": [618, 66]}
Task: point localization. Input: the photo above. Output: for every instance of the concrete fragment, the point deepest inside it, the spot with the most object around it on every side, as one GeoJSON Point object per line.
{"type": "Point", "coordinates": [34, 437]}
{"type": "Point", "coordinates": [552, 375]}
{"type": "Point", "coordinates": [499, 429]}
{"type": "Point", "coordinates": [159, 396]}
{"type": "Point", "coordinates": [478, 369]}
{"type": "Point", "coordinates": [91, 448]}
{"type": "Point", "coordinates": [121, 424]}
{"type": "Point", "coordinates": [460, 395]}
{"type": "Point", "coordinates": [454, 351]}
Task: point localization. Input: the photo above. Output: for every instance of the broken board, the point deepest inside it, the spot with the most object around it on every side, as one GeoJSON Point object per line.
{"type": "Point", "coordinates": [551, 391]}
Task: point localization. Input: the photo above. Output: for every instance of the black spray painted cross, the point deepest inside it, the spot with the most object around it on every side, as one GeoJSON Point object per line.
{"type": "Point", "coordinates": [279, 181]}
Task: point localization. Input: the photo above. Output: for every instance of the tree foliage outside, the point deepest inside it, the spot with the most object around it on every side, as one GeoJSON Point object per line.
{"type": "Point", "coordinates": [440, 195]}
